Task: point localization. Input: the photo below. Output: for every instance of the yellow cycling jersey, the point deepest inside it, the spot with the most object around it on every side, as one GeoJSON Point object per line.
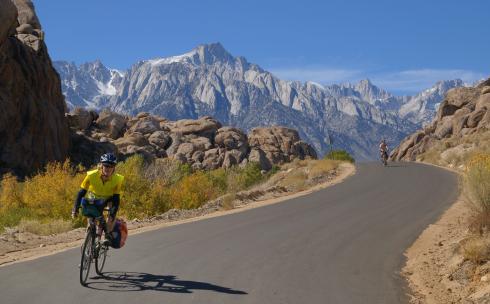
{"type": "Point", "coordinates": [93, 184]}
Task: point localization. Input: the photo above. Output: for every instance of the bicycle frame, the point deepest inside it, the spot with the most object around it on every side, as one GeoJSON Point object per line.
{"type": "Point", "coordinates": [92, 249]}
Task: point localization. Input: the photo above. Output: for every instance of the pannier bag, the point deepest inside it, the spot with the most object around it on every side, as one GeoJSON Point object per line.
{"type": "Point", "coordinates": [119, 233]}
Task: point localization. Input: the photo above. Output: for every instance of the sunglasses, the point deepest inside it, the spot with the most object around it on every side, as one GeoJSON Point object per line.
{"type": "Point", "coordinates": [107, 166]}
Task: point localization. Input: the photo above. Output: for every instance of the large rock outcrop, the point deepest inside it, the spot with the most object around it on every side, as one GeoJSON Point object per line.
{"type": "Point", "coordinates": [8, 19]}
{"type": "Point", "coordinates": [202, 143]}
{"type": "Point", "coordinates": [463, 112]}
{"type": "Point", "coordinates": [33, 128]}
{"type": "Point", "coordinates": [280, 144]}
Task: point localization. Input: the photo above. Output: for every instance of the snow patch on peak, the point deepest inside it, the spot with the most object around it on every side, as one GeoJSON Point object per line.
{"type": "Point", "coordinates": [114, 71]}
{"type": "Point", "coordinates": [169, 60]}
{"type": "Point", "coordinates": [108, 88]}
{"type": "Point", "coordinates": [316, 84]}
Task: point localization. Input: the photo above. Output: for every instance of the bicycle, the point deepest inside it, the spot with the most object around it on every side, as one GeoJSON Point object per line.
{"type": "Point", "coordinates": [384, 157]}
{"type": "Point", "coordinates": [93, 249]}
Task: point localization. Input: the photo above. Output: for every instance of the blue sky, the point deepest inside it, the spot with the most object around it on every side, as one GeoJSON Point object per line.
{"type": "Point", "coordinates": [402, 46]}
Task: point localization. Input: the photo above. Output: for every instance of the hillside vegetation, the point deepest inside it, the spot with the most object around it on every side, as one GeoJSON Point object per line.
{"type": "Point", "coordinates": [42, 204]}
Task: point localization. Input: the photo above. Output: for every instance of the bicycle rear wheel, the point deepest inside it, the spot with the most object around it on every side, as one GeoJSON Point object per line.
{"type": "Point", "coordinates": [100, 259]}
{"type": "Point", "coordinates": [87, 253]}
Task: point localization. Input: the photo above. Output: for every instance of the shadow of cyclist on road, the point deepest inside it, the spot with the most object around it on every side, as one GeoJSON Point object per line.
{"type": "Point", "coordinates": [136, 281]}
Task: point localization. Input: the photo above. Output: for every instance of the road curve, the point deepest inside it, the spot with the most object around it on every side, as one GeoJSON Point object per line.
{"type": "Point", "coordinates": [343, 244]}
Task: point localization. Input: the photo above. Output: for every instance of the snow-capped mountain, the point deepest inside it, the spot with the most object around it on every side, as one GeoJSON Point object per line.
{"type": "Point", "coordinates": [422, 107]}
{"type": "Point", "coordinates": [89, 85]}
{"type": "Point", "coordinates": [210, 81]}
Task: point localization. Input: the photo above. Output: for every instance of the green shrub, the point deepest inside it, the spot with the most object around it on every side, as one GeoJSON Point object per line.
{"type": "Point", "coordinates": [12, 217]}
{"type": "Point", "coordinates": [218, 179]}
{"type": "Point", "coordinates": [339, 155]}
{"type": "Point", "coordinates": [250, 175]}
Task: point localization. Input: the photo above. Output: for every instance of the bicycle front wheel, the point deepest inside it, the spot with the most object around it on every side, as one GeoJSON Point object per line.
{"type": "Point", "coordinates": [86, 257]}
{"type": "Point", "coordinates": [100, 259]}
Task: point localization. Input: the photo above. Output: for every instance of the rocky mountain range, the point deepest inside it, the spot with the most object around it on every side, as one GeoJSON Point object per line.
{"type": "Point", "coordinates": [210, 81]}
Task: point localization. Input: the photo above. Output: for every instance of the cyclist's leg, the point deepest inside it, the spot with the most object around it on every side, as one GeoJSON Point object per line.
{"type": "Point", "coordinates": [100, 221]}
{"type": "Point", "coordinates": [110, 219]}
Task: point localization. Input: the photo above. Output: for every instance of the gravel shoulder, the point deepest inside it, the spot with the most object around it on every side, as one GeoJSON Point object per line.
{"type": "Point", "coordinates": [18, 246]}
{"type": "Point", "coordinates": [436, 270]}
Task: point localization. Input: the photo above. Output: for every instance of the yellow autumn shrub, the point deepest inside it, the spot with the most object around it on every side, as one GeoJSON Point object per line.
{"type": "Point", "coordinates": [50, 194]}
{"type": "Point", "coordinates": [136, 188]}
{"type": "Point", "coordinates": [10, 193]}
{"type": "Point", "coordinates": [192, 191]}
{"type": "Point", "coordinates": [43, 202]}
{"type": "Point", "coordinates": [12, 208]}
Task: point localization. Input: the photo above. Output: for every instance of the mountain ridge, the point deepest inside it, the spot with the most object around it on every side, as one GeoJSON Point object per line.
{"type": "Point", "coordinates": [208, 80]}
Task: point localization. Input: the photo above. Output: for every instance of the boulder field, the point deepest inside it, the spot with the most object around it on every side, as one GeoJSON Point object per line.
{"type": "Point", "coordinates": [202, 143]}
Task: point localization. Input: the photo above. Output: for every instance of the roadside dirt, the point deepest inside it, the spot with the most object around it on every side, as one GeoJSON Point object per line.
{"type": "Point", "coordinates": [436, 269]}
{"type": "Point", "coordinates": [16, 246]}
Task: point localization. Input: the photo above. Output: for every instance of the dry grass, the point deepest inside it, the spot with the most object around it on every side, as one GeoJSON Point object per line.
{"type": "Point", "coordinates": [297, 175]}
{"type": "Point", "coordinates": [470, 154]}
{"type": "Point", "coordinates": [295, 164]}
{"type": "Point", "coordinates": [432, 156]}
{"type": "Point", "coordinates": [166, 171]}
{"type": "Point", "coordinates": [477, 190]}
{"type": "Point", "coordinates": [479, 221]}
{"type": "Point", "coordinates": [476, 249]}
{"type": "Point", "coordinates": [228, 199]}
{"type": "Point", "coordinates": [477, 180]}
{"type": "Point", "coordinates": [294, 181]}
{"type": "Point", "coordinates": [321, 167]}
{"type": "Point", "coordinates": [46, 228]}
{"type": "Point", "coordinates": [476, 187]}
{"type": "Point", "coordinates": [473, 144]}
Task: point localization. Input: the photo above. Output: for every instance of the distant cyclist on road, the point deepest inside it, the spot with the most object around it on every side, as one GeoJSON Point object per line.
{"type": "Point", "coordinates": [102, 187]}
{"type": "Point", "coordinates": [383, 151]}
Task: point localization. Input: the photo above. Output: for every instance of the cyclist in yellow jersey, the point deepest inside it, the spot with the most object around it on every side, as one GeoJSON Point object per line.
{"type": "Point", "coordinates": [103, 188]}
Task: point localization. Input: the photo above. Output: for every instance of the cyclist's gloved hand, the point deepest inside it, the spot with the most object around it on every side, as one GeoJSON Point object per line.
{"type": "Point", "coordinates": [74, 213]}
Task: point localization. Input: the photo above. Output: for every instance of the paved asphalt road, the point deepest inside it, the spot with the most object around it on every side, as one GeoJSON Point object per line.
{"type": "Point", "coordinates": [343, 244]}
